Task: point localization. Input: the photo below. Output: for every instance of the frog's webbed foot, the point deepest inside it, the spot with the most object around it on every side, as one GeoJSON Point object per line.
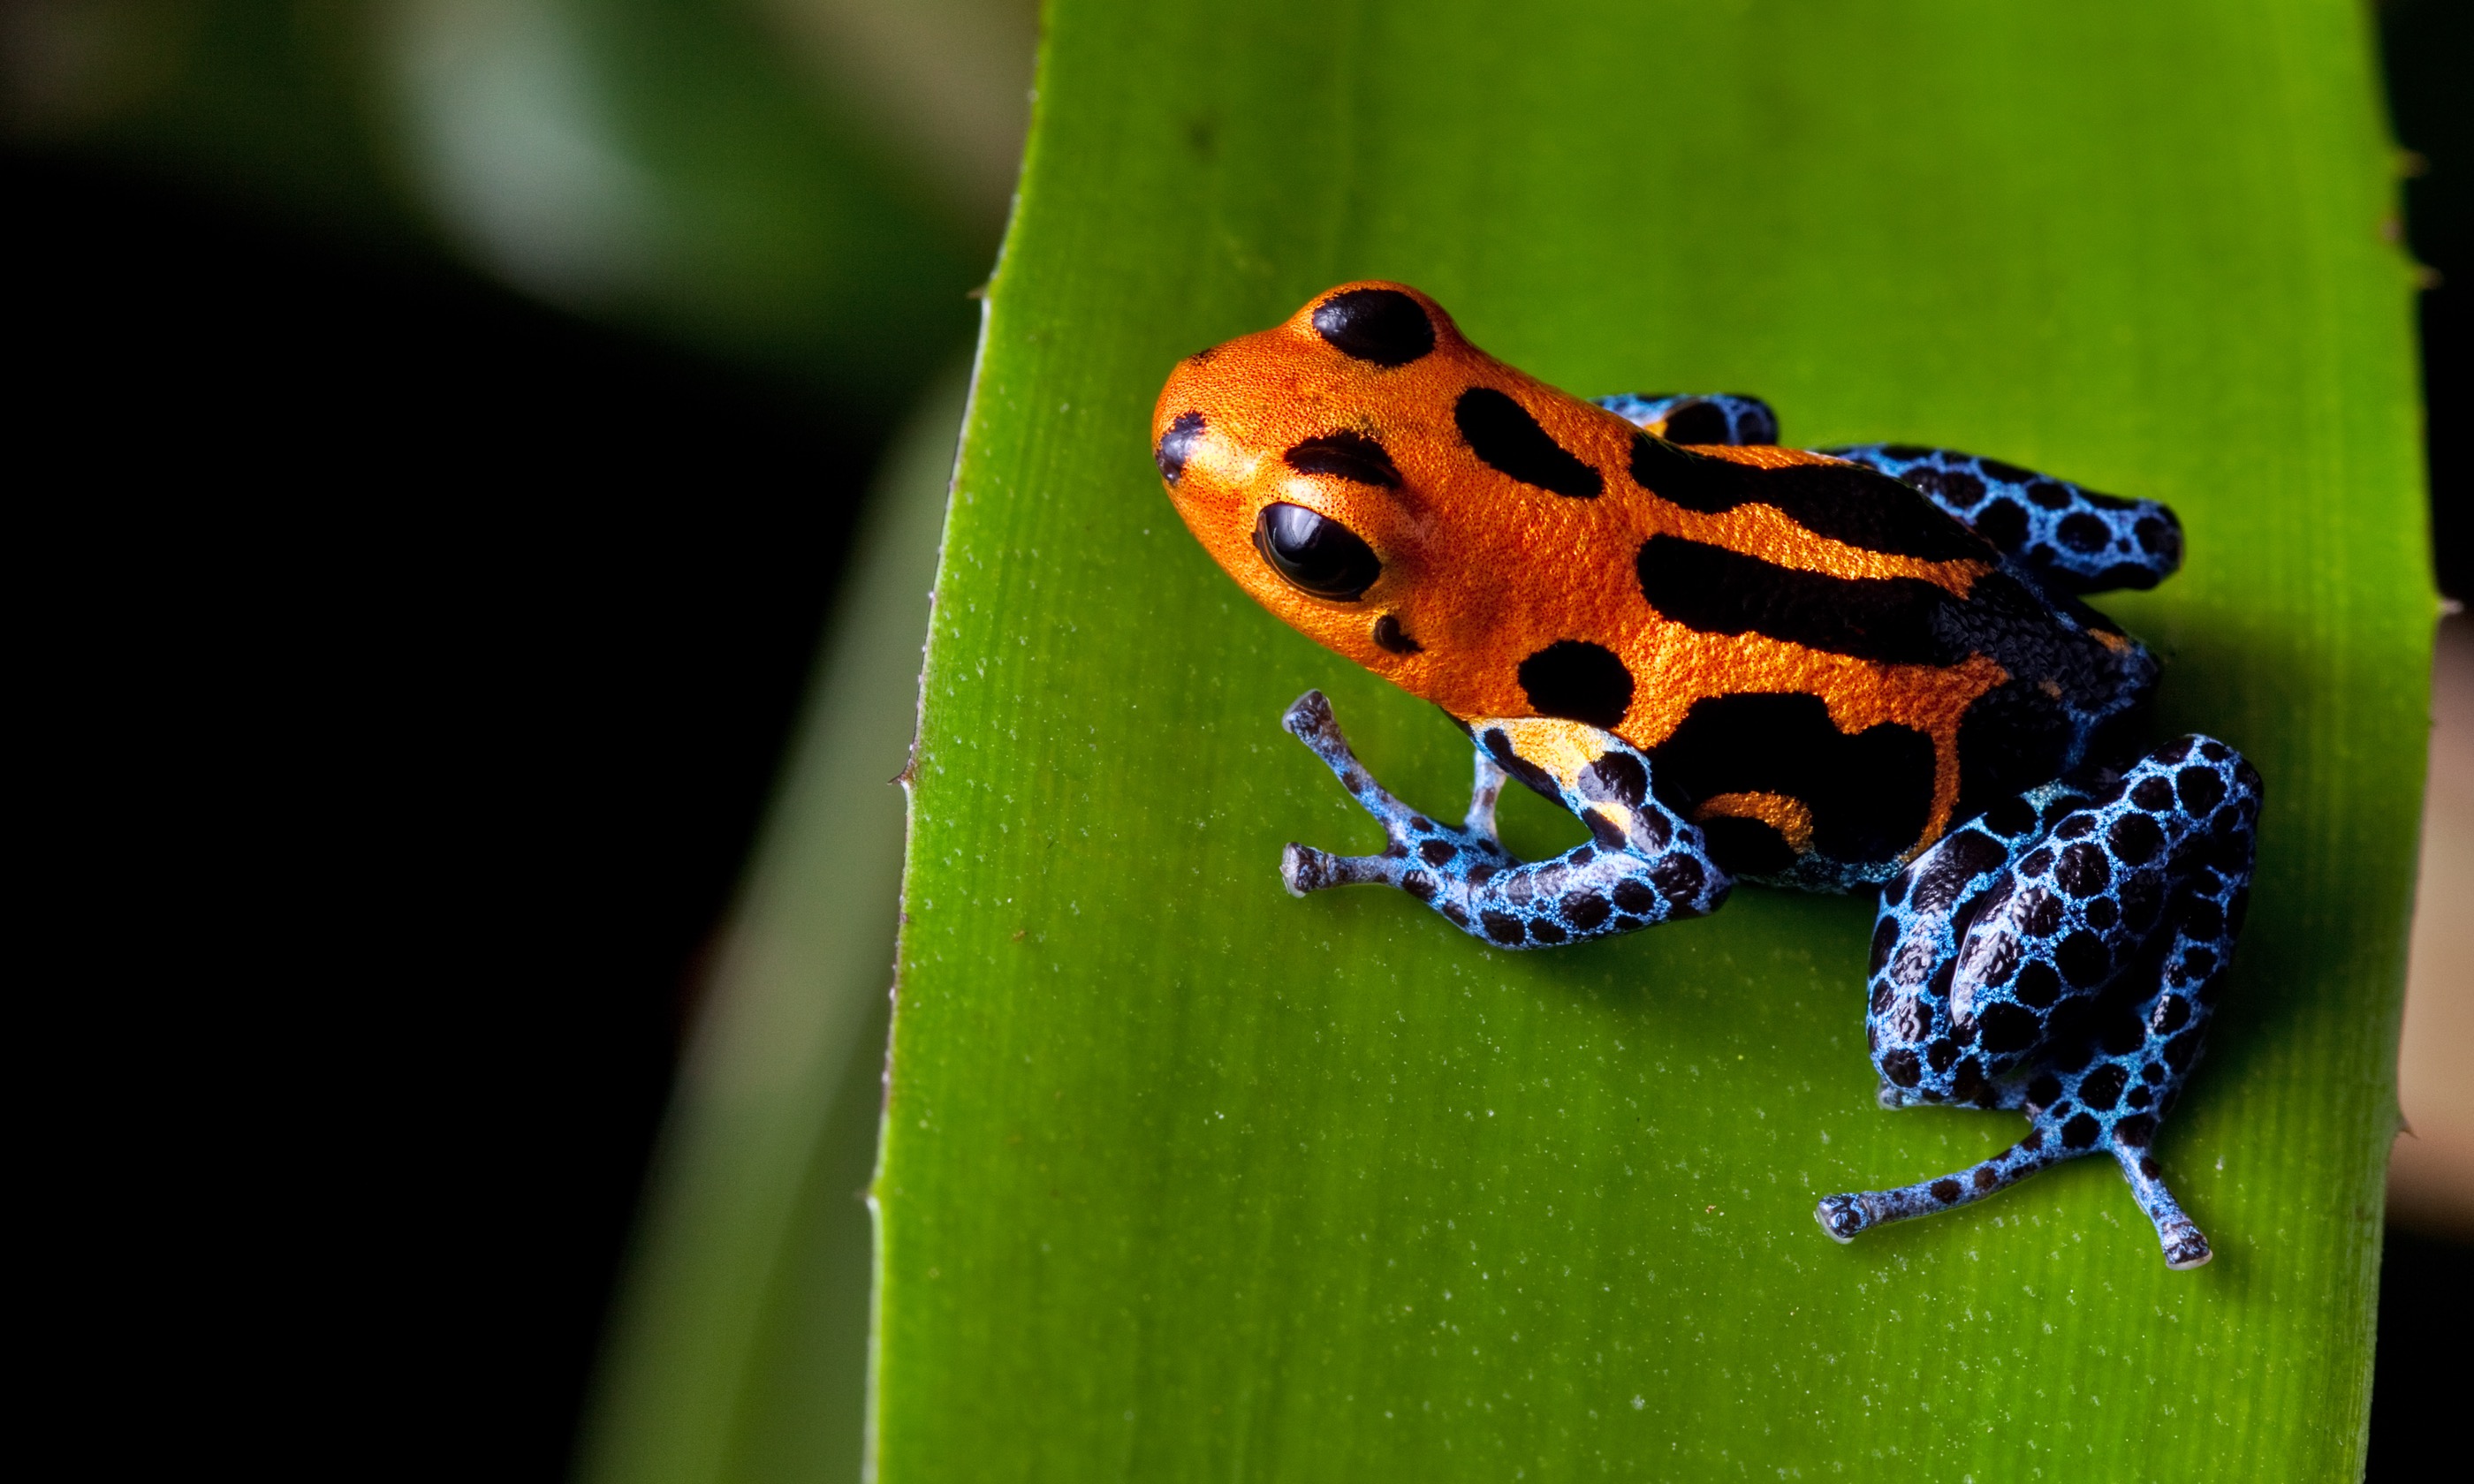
{"type": "Point", "coordinates": [2061, 956]}
{"type": "Point", "coordinates": [1643, 863]}
{"type": "Point", "coordinates": [1415, 844]}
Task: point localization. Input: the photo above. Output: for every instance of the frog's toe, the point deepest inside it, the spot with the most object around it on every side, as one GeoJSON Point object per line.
{"type": "Point", "coordinates": [1304, 869]}
{"type": "Point", "coordinates": [2187, 1249]}
{"type": "Point", "coordinates": [1842, 1216]}
{"type": "Point", "coordinates": [1309, 718]}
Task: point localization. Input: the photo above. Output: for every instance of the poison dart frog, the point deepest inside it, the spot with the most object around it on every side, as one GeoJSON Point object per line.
{"type": "Point", "coordinates": [1736, 661]}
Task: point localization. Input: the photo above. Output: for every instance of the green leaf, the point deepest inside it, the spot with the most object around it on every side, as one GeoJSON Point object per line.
{"type": "Point", "coordinates": [1183, 1179]}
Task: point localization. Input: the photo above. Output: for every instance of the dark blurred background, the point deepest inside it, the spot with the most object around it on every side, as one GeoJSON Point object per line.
{"type": "Point", "coordinates": [446, 421]}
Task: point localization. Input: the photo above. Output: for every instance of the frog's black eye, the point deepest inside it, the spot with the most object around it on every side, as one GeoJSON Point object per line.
{"type": "Point", "coordinates": [1317, 555]}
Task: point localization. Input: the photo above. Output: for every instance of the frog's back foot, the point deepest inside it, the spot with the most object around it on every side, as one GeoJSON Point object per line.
{"type": "Point", "coordinates": [2185, 1245]}
{"type": "Point", "coordinates": [2070, 539]}
{"type": "Point", "coordinates": [2061, 956]}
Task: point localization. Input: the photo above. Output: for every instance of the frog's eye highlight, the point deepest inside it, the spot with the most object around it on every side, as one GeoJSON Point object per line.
{"type": "Point", "coordinates": [1317, 555]}
{"type": "Point", "coordinates": [1382, 326]}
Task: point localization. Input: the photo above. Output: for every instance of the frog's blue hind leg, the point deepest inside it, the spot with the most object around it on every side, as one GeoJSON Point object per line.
{"type": "Point", "coordinates": [1697, 416]}
{"type": "Point", "coordinates": [2061, 957]}
{"type": "Point", "coordinates": [1643, 863]}
{"type": "Point", "coordinates": [2072, 539]}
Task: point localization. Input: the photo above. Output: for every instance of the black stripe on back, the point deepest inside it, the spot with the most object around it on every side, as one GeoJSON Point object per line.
{"type": "Point", "coordinates": [1500, 431]}
{"type": "Point", "coordinates": [1845, 502]}
{"type": "Point", "coordinates": [1870, 793]}
{"type": "Point", "coordinates": [1895, 620]}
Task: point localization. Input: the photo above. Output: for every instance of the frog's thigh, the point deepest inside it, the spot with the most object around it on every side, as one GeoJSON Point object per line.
{"type": "Point", "coordinates": [2018, 965]}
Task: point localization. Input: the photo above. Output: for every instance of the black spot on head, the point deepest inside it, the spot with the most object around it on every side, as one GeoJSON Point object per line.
{"type": "Point", "coordinates": [1392, 638]}
{"type": "Point", "coordinates": [1940, 1055]}
{"type": "Point", "coordinates": [1347, 455]}
{"type": "Point", "coordinates": [2154, 794]}
{"type": "Point", "coordinates": [1899, 1066]}
{"type": "Point", "coordinates": [1382, 326]}
{"type": "Point", "coordinates": [1697, 422]}
{"type": "Point", "coordinates": [1501, 431]}
{"type": "Point", "coordinates": [1634, 896]}
{"type": "Point", "coordinates": [1578, 682]}
{"type": "Point", "coordinates": [1176, 445]}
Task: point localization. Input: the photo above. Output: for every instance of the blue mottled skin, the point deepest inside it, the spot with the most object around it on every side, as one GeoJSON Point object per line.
{"type": "Point", "coordinates": [2072, 538]}
{"type": "Point", "coordinates": [2058, 955]}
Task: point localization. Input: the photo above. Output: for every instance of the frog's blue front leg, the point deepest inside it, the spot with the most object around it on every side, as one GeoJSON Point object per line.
{"type": "Point", "coordinates": [2070, 539]}
{"type": "Point", "coordinates": [2061, 956]}
{"type": "Point", "coordinates": [1643, 863]}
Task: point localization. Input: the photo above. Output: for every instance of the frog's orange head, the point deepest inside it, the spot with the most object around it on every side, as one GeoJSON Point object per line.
{"type": "Point", "coordinates": [1351, 469]}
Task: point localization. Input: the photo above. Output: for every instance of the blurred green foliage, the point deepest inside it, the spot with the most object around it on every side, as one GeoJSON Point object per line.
{"type": "Point", "coordinates": [804, 186]}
